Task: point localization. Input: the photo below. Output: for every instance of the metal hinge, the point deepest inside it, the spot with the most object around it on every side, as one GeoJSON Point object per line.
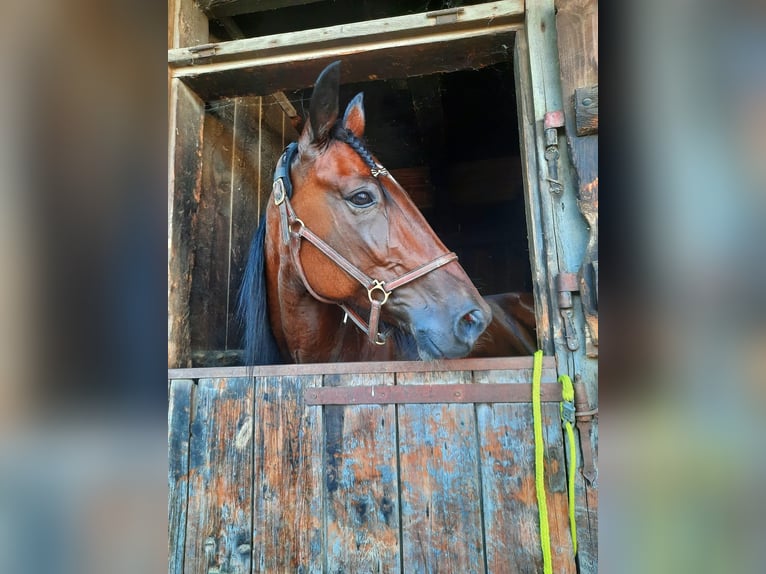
{"type": "Point", "coordinates": [566, 284]}
{"type": "Point", "coordinates": [552, 122]}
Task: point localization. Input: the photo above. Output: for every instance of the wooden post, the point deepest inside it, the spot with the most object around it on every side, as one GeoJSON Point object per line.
{"type": "Point", "coordinates": [184, 177]}
{"type": "Point", "coordinates": [577, 26]}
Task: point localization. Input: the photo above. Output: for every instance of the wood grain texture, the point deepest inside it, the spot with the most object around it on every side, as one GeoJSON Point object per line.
{"type": "Point", "coordinates": [489, 18]}
{"type": "Point", "coordinates": [586, 509]}
{"type": "Point", "coordinates": [187, 24]}
{"type": "Point", "coordinates": [212, 231]}
{"type": "Point", "coordinates": [219, 517]}
{"type": "Point", "coordinates": [577, 26]}
{"type": "Point", "coordinates": [506, 443]}
{"type": "Point", "coordinates": [287, 522]}
{"type": "Point", "coordinates": [586, 110]}
{"type": "Point", "coordinates": [185, 180]}
{"type": "Point", "coordinates": [530, 169]}
{"type": "Point", "coordinates": [246, 186]}
{"type": "Point", "coordinates": [179, 420]}
{"type": "Point", "coordinates": [439, 480]}
{"type": "Point", "coordinates": [361, 483]}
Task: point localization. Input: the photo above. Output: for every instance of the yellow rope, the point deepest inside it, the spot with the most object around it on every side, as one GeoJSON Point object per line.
{"type": "Point", "coordinates": [567, 417]}
{"type": "Point", "coordinates": [542, 505]}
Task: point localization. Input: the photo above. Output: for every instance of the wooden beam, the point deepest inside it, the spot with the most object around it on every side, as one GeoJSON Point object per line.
{"type": "Point", "coordinates": [233, 7]}
{"type": "Point", "coordinates": [397, 47]}
{"type": "Point", "coordinates": [498, 363]}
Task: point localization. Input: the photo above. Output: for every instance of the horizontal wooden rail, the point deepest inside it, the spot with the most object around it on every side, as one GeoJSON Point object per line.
{"type": "Point", "coordinates": [428, 394]}
{"type": "Point", "coordinates": [491, 364]}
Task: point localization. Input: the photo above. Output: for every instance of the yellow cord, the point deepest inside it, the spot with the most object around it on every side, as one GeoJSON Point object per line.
{"type": "Point", "coordinates": [545, 536]}
{"type": "Point", "coordinates": [567, 416]}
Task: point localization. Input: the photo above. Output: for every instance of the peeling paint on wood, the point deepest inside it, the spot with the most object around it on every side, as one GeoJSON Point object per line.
{"type": "Point", "coordinates": [363, 488]}
{"type": "Point", "coordinates": [361, 483]}
{"type": "Point", "coordinates": [441, 506]}
{"type": "Point", "coordinates": [287, 522]}
{"type": "Point", "coordinates": [219, 516]}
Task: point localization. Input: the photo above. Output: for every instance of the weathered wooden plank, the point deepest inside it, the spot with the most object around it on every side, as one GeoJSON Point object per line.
{"type": "Point", "coordinates": [509, 495]}
{"type": "Point", "coordinates": [210, 281]}
{"type": "Point", "coordinates": [361, 483]}
{"type": "Point", "coordinates": [256, 151]}
{"type": "Point", "coordinates": [184, 188]}
{"type": "Point", "coordinates": [287, 520]}
{"type": "Point", "coordinates": [246, 184]}
{"type": "Point", "coordinates": [399, 47]}
{"type": "Point", "coordinates": [187, 24]}
{"type": "Point", "coordinates": [487, 18]}
{"type": "Point", "coordinates": [364, 368]}
{"type": "Point", "coordinates": [586, 110]}
{"type": "Point", "coordinates": [219, 517]}
{"type": "Point", "coordinates": [296, 70]}
{"type": "Point", "coordinates": [439, 476]}
{"type": "Point", "coordinates": [577, 25]}
{"type": "Point", "coordinates": [179, 417]}
{"type": "Point", "coordinates": [536, 237]}
{"type": "Point", "coordinates": [586, 509]}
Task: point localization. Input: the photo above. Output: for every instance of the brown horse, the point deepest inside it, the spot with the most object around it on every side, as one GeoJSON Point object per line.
{"type": "Point", "coordinates": [512, 331]}
{"type": "Point", "coordinates": [344, 267]}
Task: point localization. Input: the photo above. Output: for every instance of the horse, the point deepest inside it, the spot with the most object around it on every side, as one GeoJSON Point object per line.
{"type": "Point", "coordinates": [512, 331]}
{"type": "Point", "coordinates": [343, 266]}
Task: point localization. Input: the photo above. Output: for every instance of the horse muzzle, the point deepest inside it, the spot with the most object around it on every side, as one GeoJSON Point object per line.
{"type": "Point", "coordinates": [449, 334]}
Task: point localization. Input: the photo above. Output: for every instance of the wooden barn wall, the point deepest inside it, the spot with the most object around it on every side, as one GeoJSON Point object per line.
{"type": "Point", "coordinates": [242, 140]}
{"type": "Point", "coordinates": [263, 482]}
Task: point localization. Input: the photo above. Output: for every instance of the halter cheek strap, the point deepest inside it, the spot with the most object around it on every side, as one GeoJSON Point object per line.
{"type": "Point", "coordinates": [293, 231]}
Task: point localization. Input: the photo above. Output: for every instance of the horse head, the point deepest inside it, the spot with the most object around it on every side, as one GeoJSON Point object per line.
{"type": "Point", "coordinates": [344, 238]}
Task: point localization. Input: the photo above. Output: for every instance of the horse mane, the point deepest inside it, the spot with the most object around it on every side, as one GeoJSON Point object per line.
{"type": "Point", "coordinates": [252, 308]}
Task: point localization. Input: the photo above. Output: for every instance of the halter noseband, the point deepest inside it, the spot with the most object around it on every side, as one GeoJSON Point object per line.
{"type": "Point", "coordinates": [293, 230]}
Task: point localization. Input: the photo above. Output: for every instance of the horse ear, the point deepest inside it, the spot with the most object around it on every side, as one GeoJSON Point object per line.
{"type": "Point", "coordinates": [353, 119]}
{"type": "Point", "coordinates": [323, 110]}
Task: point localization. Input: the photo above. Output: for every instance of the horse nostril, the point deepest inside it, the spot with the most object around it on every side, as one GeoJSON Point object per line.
{"type": "Point", "coordinates": [470, 325]}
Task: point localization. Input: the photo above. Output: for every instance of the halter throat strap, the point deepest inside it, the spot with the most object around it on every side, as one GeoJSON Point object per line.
{"type": "Point", "coordinates": [293, 231]}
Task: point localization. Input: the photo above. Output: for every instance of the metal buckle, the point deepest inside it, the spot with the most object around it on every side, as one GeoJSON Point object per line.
{"type": "Point", "coordinates": [380, 339]}
{"type": "Point", "coordinates": [278, 189]}
{"type": "Point", "coordinates": [567, 412]}
{"type": "Point", "coordinates": [379, 285]}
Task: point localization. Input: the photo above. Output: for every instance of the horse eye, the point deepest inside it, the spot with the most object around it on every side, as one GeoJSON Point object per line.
{"type": "Point", "coordinates": [362, 199]}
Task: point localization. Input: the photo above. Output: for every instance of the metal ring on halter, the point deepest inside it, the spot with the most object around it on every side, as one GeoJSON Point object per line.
{"type": "Point", "coordinates": [379, 285]}
{"type": "Point", "coordinates": [279, 191]}
{"type": "Point", "coordinates": [297, 221]}
{"type": "Point", "coordinates": [380, 339]}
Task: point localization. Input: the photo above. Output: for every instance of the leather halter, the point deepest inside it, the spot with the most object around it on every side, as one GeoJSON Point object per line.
{"type": "Point", "coordinates": [293, 230]}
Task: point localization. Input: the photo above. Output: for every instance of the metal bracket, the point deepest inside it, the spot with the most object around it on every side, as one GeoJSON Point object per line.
{"type": "Point", "coordinates": [430, 394]}
{"type": "Point", "coordinates": [584, 416]}
{"type": "Point", "coordinates": [566, 284]}
{"type": "Point", "coordinates": [552, 122]}
{"type": "Point", "coordinates": [445, 16]}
